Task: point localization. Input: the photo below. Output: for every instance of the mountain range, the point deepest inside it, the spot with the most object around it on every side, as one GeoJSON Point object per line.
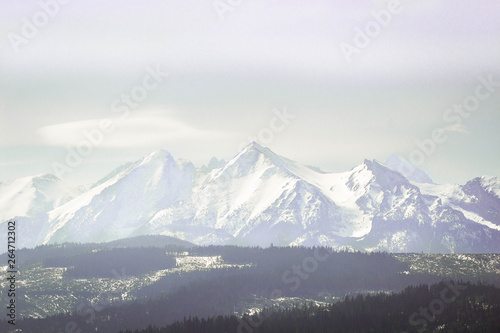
{"type": "Point", "coordinates": [260, 198]}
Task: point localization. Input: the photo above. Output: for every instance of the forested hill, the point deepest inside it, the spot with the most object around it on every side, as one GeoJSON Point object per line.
{"type": "Point", "coordinates": [448, 306]}
{"type": "Point", "coordinates": [91, 287]}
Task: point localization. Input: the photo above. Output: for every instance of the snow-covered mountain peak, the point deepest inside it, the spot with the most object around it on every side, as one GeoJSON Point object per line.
{"type": "Point", "coordinates": [158, 160]}
{"type": "Point", "coordinates": [485, 184]}
{"type": "Point", "coordinates": [385, 176]}
{"type": "Point", "coordinates": [255, 149]}
{"type": "Point", "coordinates": [160, 155]}
{"type": "Point", "coordinates": [255, 145]}
{"type": "Point", "coordinates": [491, 185]}
{"type": "Point", "coordinates": [253, 158]}
{"type": "Point", "coordinates": [29, 196]}
{"type": "Point", "coordinates": [374, 173]}
{"type": "Point", "coordinates": [400, 164]}
{"type": "Point", "coordinates": [185, 164]}
{"type": "Point", "coordinates": [151, 167]}
{"type": "Point", "coordinates": [360, 177]}
{"type": "Point", "coordinates": [259, 197]}
{"type": "Point", "coordinates": [213, 164]}
{"type": "Point", "coordinates": [119, 206]}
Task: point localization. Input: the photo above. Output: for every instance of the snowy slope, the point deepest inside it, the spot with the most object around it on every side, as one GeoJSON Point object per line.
{"type": "Point", "coordinates": [30, 196]}
{"type": "Point", "coordinates": [259, 198]}
{"type": "Point", "coordinates": [27, 200]}
{"type": "Point", "coordinates": [253, 195]}
{"type": "Point", "coordinates": [478, 200]}
{"type": "Point", "coordinates": [412, 173]}
{"type": "Point", "coordinates": [120, 206]}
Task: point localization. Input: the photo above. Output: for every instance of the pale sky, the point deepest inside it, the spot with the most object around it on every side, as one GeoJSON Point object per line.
{"type": "Point", "coordinates": [62, 74]}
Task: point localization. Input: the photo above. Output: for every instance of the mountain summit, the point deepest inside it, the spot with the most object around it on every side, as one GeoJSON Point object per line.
{"type": "Point", "coordinates": [401, 165]}
{"type": "Point", "coordinates": [259, 198]}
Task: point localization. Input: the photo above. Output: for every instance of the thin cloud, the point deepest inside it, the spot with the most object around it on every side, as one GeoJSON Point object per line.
{"type": "Point", "coordinates": [140, 130]}
{"type": "Point", "coordinates": [456, 128]}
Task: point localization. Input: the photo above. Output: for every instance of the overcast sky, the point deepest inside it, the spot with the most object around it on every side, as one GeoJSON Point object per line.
{"type": "Point", "coordinates": [232, 69]}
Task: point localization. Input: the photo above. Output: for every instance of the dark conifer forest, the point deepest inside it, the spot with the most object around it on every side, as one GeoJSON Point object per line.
{"type": "Point", "coordinates": [477, 309]}
{"type": "Point", "coordinates": [293, 289]}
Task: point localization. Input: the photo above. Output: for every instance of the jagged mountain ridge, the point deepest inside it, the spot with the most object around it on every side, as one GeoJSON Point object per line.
{"type": "Point", "coordinates": [117, 207]}
{"type": "Point", "coordinates": [259, 198]}
{"type": "Point", "coordinates": [412, 173]}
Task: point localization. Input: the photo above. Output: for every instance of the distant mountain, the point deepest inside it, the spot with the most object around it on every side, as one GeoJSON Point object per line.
{"type": "Point", "coordinates": [213, 164]}
{"type": "Point", "coordinates": [120, 206]}
{"type": "Point", "coordinates": [259, 198]}
{"type": "Point", "coordinates": [28, 200]}
{"type": "Point", "coordinates": [149, 241]}
{"type": "Point", "coordinates": [254, 199]}
{"type": "Point", "coordinates": [401, 165]}
{"type": "Point", "coordinates": [30, 196]}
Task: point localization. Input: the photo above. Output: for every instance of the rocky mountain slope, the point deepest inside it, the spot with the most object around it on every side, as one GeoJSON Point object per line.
{"type": "Point", "coordinates": [259, 198]}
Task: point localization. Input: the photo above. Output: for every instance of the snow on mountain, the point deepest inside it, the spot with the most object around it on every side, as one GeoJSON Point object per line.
{"type": "Point", "coordinates": [412, 173]}
{"type": "Point", "coordinates": [478, 200]}
{"type": "Point", "coordinates": [482, 198]}
{"type": "Point", "coordinates": [259, 198]}
{"type": "Point", "coordinates": [30, 196]}
{"type": "Point", "coordinates": [213, 164]}
{"type": "Point", "coordinates": [27, 201]}
{"type": "Point", "coordinates": [490, 185]}
{"type": "Point", "coordinates": [120, 206]}
{"type": "Point", "coordinates": [255, 198]}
